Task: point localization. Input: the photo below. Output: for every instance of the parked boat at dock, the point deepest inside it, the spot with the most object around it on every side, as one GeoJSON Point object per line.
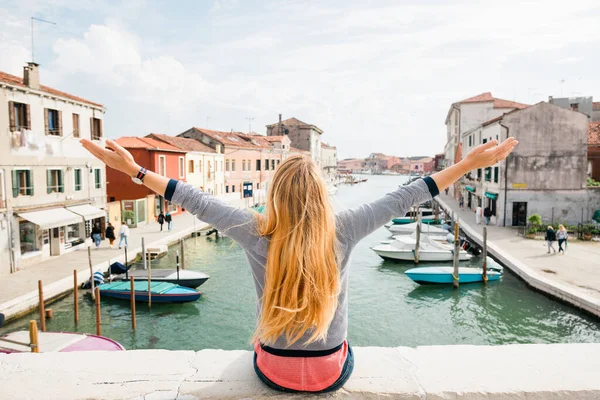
{"type": "Point", "coordinates": [444, 275]}
{"type": "Point", "coordinates": [409, 229]}
{"type": "Point", "coordinates": [161, 292]}
{"type": "Point", "coordinates": [403, 249]}
{"type": "Point", "coordinates": [58, 342]}
{"type": "Point", "coordinates": [184, 277]}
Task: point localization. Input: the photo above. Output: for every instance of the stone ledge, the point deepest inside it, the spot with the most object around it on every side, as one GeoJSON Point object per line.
{"type": "Point", "coordinates": [540, 371]}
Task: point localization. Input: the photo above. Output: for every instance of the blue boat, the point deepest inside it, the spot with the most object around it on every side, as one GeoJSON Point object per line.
{"type": "Point", "coordinates": [444, 275]}
{"type": "Point", "coordinates": [425, 220]}
{"type": "Point", "coordinates": [161, 292]}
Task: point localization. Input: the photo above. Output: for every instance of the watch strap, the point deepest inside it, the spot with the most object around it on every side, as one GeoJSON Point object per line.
{"type": "Point", "coordinates": [141, 174]}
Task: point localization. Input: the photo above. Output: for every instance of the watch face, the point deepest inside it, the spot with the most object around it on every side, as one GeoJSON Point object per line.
{"type": "Point", "coordinates": [136, 180]}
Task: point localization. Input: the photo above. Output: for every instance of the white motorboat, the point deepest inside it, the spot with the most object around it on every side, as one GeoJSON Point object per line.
{"type": "Point", "coordinates": [403, 248]}
{"type": "Point", "coordinates": [332, 189]}
{"type": "Point", "coordinates": [426, 229]}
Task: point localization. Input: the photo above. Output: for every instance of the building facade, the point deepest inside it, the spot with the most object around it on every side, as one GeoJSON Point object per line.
{"type": "Point", "coordinates": [594, 151]}
{"type": "Point", "coordinates": [328, 162]}
{"type": "Point", "coordinates": [51, 189]}
{"type": "Point", "coordinates": [466, 115]}
{"type": "Point", "coordinates": [302, 136]}
{"type": "Point", "coordinates": [350, 165]}
{"type": "Point", "coordinates": [250, 160]}
{"type": "Point", "coordinates": [545, 174]}
{"type": "Point", "coordinates": [139, 203]}
{"type": "Point", "coordinates": [204, 167]}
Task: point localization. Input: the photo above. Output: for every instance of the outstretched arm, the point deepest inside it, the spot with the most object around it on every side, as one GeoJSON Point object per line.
{"type": "Point", "coordinates": [355, 224]}
{"type": "Point", "coordinates": [237, 223]}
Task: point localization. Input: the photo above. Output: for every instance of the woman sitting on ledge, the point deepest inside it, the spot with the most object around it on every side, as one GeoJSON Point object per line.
{"type": "Point", "coordinates": [299, 253]}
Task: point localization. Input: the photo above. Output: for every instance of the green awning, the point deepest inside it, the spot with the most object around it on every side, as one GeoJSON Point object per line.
{"type": "Point", "coordinates": [492, 196]}
{"type": "Point", "coordinates": [470, 189]}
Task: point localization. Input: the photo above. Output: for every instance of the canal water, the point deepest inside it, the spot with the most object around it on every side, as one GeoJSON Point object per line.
{"type": "Point", "coordinates": [386, 307]}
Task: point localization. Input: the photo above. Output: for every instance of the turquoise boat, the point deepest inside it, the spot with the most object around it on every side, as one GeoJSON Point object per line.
{"type": "Point", "coordinates": [408, 220]}
{"type": "Point", "coordinates": [259, 209]}
{"type": "Point", "coordinates": [160, 292]}
{"type": "Point", "coordinates": [444, 275]}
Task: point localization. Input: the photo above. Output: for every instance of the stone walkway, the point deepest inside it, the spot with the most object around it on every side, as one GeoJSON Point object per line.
{"type": "Point", "coordinates": [18, 291]}
{"type": "Point", "coordinates": [578, 270]}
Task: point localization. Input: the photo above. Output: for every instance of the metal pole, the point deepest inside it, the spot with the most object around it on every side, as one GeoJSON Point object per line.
{"type": "Point", "coordinates": [133, 325]}
{"type": "Point", "coordinates": [456, 255]}
{"type": "Point", "coordinates": [485, 277]}
{"type": "Point", "coordinates": [149, 282]}
{"type": "Point", "coordinates": [126, 269]}
{"type": "Point", "coordinates": [181, 244]}
{"type": "Point", "coordinates": [418, 243]}
{"type": "Point", "coordinates": [91, 271]}
{"type": "Point", "coordinates": [75, 296]}
{"type": "Point", "coordinates": [177, 264]}
{"type": "Point", "coordinates": [41, 306]}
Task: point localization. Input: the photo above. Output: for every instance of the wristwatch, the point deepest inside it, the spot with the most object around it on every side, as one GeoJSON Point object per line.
{"type": "Point", "coordinates": [139, 178]}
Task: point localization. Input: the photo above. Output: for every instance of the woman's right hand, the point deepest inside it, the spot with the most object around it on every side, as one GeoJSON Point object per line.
{"type": "Point", "coordinates": [113, 156]}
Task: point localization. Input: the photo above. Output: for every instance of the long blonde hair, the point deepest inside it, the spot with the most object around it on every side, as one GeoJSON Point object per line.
{"type": "Point", "coordinates": [302, 278]}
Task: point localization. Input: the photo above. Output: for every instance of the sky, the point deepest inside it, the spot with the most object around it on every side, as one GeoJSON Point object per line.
{"type": "Point", "coordinates": [376, 76]}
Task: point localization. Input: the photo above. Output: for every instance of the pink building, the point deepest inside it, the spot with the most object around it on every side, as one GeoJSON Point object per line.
{"type": "Point", "coordinates": [350, 165]}
{"type": "Point", "coordinates": [250, 160]}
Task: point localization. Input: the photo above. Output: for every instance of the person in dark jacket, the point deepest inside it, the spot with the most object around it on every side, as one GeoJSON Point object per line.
{"type": "Point", "coordinates": [487, 214]}
{"type": "Point", "coordinates": [96, 235]}
{"type": "Point", "coordinates": [110, 235]}
{"type": "Point", "coordinates": [550, 239]}
{"type": "Point", "coordinates": [169, 220]}
{"type": "Point", "coordinates": [161, 220]}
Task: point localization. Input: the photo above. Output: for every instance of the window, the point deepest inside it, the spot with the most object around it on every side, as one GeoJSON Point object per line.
{"type": "Point", "coordinates": [53, 122]}
{"type": "Point", "coordinates": [162, 165]}
{"type": "Point", "coordinates": [96, 128]}
{"type": "Point", "coordinates": [97, 178]}
{"type": "Point", "coordinates": [54, 181]}
{"type": "Point", "coordinates": [278, 161]}
{"type": "Point", "coordinates": [266, 165]}
{"type": "Point", "coordinates": [488, 174]}
{"type": "Point", "coordinates": [243, 165]}
{"type": "Point", "coordinates": [22, 182]}
{"type": "Point", "coordinates": [484, 141]}
{"type": "Point", "coordinates": [181, 168]}
{"type": "Point", "coordinates": [78, 180]}
{"type": "Point", "coordinates": [479, 174]}
{"type": "Point", "coordinates": [496, 174]}
{"type": "Point", "coordinates": [227, 189]}
{"type": "Point", "coordinates": [75, 125]}
{"type": "Point", "coordinates": [257, 185]}
{"type": "Point", "coordinates": [575, 106]}
{"type": "Point", "coordinates": [227, 165]}
{"type": "Point", "coordinates": [258, 165]}
{"type": "Point", "coordinates": [470, 141]}
{"type": "Point", "coordinates": [232, 188]}
{"type": "Point", "coordinates": [28, 237]}
{"type": "Point", "coordinates": [19, 116]}
{"type": "Point", "coordinates": [190, 167]}
{"type": "Point", "coordinates": [233, 165]}
{"type": "Point", "coordinates": [273, 164]}
{"type": "Point", "coordinates": [249, 163]}
{"type": "Point", "coordinates": [72, 232]}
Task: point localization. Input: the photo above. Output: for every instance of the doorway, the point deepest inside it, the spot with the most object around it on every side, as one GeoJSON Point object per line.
{"type": "Point", "coordinates": [519, 217]}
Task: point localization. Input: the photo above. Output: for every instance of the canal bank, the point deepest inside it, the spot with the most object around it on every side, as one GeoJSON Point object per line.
{"type": "Point", "coordinates": [548, 371]}
{"type": "Point", "coordinates": [19, 293]}
{"type": "Point", "coordinates": [573, 278]}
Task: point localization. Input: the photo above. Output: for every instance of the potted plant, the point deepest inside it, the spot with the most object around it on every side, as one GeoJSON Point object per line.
{"type": "Point", "coordinates": [587, 231]}
{"type": "Point", "coordinates": [531, 233]}
{"type": "Point", "coordinates": [535, 219]}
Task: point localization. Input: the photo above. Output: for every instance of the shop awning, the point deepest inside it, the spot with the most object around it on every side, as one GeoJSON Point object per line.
{"type": "Point", "coordinates": [470, 189]}
{"type": "Point", "coordinates": [87, 211]}
{"type": "Point", "coordinates": [51, 218]}
{"type": "Point", "coordinates": [492, 196]}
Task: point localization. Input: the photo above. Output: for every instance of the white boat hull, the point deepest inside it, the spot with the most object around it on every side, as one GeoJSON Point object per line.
{"type": "Point", "coordinates": [389, 252]}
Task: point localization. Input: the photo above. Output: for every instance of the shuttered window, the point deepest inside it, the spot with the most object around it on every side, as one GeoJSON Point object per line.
{"type": "Point", "coordinates": [97, 178]}
{"type": "Point", "coordinates": [22, 180]}
{"type": "Point", "coordinates": [19, 116]}
{"type": "Point", "coordinates": [53, 122]}
{"type": "Point", "coordinates": [78, 180]}
{"type": "Point", "coordinates": [75, 125]}
{"type": "Point", "coordinates": [96, 128]}
{"type": "Point", "coordinates": [54, 181]}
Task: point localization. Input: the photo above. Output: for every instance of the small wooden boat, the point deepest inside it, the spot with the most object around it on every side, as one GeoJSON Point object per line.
{"type": "Point", "coordinates": [161, 292]}
{"type": "Point", "coordinates": [433, 275]}
{"type": "Point", "coordinates": [184, 277]}
{"type": "Point", "coordinates": [58, 342]}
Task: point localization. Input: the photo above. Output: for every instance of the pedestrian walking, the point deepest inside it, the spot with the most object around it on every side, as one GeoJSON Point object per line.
{"type": "Point", "coordinates": [110, 235]}
{"type": "Point", "coordinates": [123, 234]}
{"type": "Point", "coordinates": [299, 255]}
{"type": "Point", "coordinates": [478, 212]}
{"type": "Point", "coordinates": [461, 203]}
{"type": "Point", "coordinates": [562, 236]}
{"type": "Point", "coordinates": [161, 220]}
{"type": "Point", "coordinates": [97, 235]}
{"type": "Point", "coordinates": [550, 239]}
{"type": "Point", "coordinates": [487, 214]}
{"type": "Point", "coordinates": [169, 220]}
{"type": "Point", "coordinates": [446, 190]}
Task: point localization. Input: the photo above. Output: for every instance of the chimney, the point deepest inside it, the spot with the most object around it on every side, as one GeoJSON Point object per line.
{"type": "Point", "coordinates": [31, 75]}
{"type": "Point", "coordinates": [550, 99]}
{"type": "Point", "coordinates": [279, 127]}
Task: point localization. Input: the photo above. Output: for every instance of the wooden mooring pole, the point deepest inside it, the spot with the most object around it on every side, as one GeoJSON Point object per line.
{"type": "Point", "coordinates": [181, 248]}
{"type": "Point", "coordinates": [97, 299]}
{"type": "Point", "coordinates": [418, 241]}
{"type": "Point", "coordinates": [41, 306]}
{"type": "Point", "coordinates": [91, 272]}
{"type": "Point", "coordinates": [33, 337]}
{"type": "Point", "coordinates": [456, 255]}
{"type": "Point", "coordinates": [485, 277]}
{"type": "Point", "coordinates": [75, 297]}
{"type": "Point", "coordinates": [133, 324]}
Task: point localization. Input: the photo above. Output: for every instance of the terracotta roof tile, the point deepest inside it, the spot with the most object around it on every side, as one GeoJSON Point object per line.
{"type": "Point", "coordinates": [594, 133]}
{"type": "Point", "coordinates": [134, 142]}
{"type": "Point", "coordinates": [182, 143]}
{"type": "Point", "coordinates": [236, 139]}
{"type": "Point", "coordinates": [498, 103]}
{"type": "Point", "coordinates": [326, 146]}
{"type": "Point", "coordinates": [17, 81]}
{"type": "Point", "coordinates": [274, 138]}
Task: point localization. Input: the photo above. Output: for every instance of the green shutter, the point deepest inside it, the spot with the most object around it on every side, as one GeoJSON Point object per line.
{"type": "Point", "coordinates": [61, 186]}
{"type": "Point", "coordinates": [15, 183]}
{"type": "Point", "coordinates": [30, 182]}
{"type": "Point", "coordinates": [48, 181]}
